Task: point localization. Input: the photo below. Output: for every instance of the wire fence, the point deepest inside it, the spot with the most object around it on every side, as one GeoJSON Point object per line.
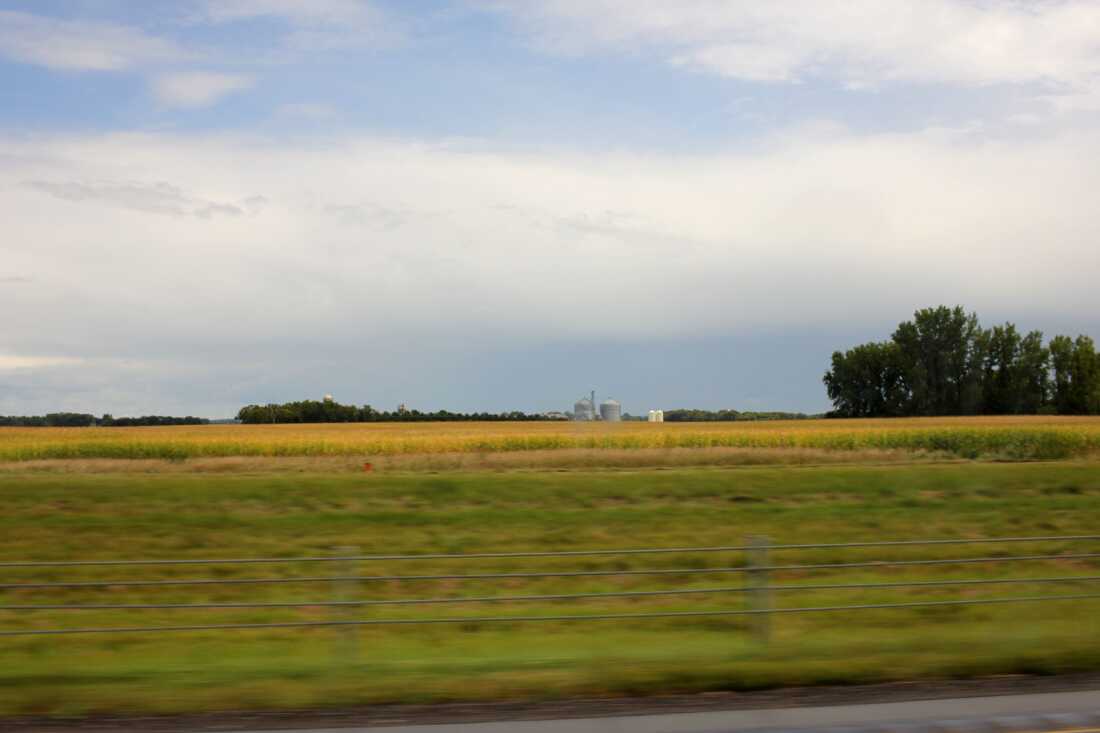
{"type": "Point", "coordinates": [543, 574]}
{"type": "Point", "coordinates": [531, 554]}
{"type": "Point", "coordinates": [20, 616]}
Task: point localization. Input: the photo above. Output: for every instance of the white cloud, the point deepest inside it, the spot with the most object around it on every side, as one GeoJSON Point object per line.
{"type": "Point", "coordinates": [750, 61]}
{"type": "Point", "coordinates": [854, 42]}
{"type": "Point", "coordinates": [372, 246]}
{"type": "Point", "coordinates": [311, 111]}
{"type": "Point", "coordinates": [152, 198]}
{"type": "Point", "coordinates": [314, 25]}
{"type": "Point", "coordinates": [13, 362]}
{"type": "Point", "coordinates": [314, 12]}
{"type": "Point", "coordinates": [811, 228]}
{"type": "Point", "coordinates": [80, 45]}
{"type": "Point", "coordinates": [194, 89]}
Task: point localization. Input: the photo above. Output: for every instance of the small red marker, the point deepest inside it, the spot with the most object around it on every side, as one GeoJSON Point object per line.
{"type": "Point", "coordinates": [368, 467]}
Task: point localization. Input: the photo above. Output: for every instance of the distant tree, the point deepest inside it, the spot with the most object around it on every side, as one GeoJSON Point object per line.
{"type": "Point", "coordinates": [943, 363]}
{"type": "Point", "coordinates": [940, 355]}
{"type": "Point", "coordinates": [80, 420]}
{"type": "Point", "coordinates": [868, 381]}
{"type": "Point", "coordinates": [311, 411]}
{"type": "Point", "coordinates": [1002, 379]}
{"type": "Point", "coordinates": [1033, 380]}
{"type": "Point", "coordinates": [69, 420]}
{"type": "Point", "coordinates": [1061, 363]}
{"type": "Point", "coordinates": [1076, 368]}
{"type": "Point", "coordinates": [695, 415]}
{"type": "Point", "coordinates": [146, 420]}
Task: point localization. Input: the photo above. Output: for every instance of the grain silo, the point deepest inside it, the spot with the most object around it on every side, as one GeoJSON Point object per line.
{"type": "Point", "coordinates": [584, 409]}
{"type": "Point", "coordinates": [611, 411]}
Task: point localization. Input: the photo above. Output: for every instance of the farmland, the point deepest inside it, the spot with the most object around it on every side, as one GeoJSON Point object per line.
{"type": "Point", "coordinates": [1007, 437]}
{"type": "Point", "coordinates": [59, 516]}
{"type": "Point", "coordinates": [292, 491]}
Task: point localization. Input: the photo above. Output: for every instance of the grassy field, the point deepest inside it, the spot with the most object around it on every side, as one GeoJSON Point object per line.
{"type": "Point", "coordinates": [1027, 437]}
{"type": "Point", "coordinates": [262, 512]}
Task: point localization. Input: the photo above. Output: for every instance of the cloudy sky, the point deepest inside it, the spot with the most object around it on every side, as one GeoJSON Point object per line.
{"type": "Point", "coordinates": [489, 205]}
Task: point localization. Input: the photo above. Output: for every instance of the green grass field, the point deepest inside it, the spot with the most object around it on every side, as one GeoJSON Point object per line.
{"type": "Point", "coordinates": [125, 515]}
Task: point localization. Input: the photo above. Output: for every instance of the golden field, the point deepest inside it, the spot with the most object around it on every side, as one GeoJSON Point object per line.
{"type": "Point", "coordinates": [1017, 437]}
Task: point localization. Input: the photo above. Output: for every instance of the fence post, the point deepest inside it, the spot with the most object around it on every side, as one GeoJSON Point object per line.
{"type": "Point", "coordinates": [346, 641]}
{"type": "Point", "coordinates": [759, 596]}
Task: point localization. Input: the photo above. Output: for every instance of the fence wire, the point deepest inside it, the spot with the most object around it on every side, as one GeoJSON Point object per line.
{"type": "Point", "coordinates": [549, 596]}
{"type": "Point", "coordinates": [756, 590]}
{"type": "Point", "coordinates": [531, 553]}
{"type": "Point", "coordinates": [519, 619]}
{"type": "Point", "coordinates": [542, 574]}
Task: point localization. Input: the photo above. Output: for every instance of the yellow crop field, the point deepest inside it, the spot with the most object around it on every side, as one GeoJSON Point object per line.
{"type": "Point", "coordinates": [1011, 437]}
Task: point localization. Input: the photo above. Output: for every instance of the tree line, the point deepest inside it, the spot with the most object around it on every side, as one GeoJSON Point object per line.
{"type": "Point", "coordinates": [313, 411]}
{"type": "Point", "coordinates": [85, 420]}
{"type": "Point", "coordinates": [943, 362]}
{"type": "Point", "coordinates": [728, 415]}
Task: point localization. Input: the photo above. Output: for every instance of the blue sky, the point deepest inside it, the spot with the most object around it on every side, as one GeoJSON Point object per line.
{"type": "Point", "coordinates": [473, 204]}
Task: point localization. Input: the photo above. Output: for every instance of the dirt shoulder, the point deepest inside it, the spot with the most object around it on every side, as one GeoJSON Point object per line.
{"type": "Point", "coordinates": [387, 715]}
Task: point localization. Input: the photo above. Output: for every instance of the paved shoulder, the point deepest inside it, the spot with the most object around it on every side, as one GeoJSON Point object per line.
{"type": "Point", "coordinates": [1059, 711]}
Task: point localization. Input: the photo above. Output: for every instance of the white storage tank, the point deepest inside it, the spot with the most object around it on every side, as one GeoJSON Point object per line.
{"type": "Point", "coordinates": [611, 411]}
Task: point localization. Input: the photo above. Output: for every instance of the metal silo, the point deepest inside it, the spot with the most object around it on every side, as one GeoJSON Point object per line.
{"type": "Point", "coordinates": [583, 409]}
{"type": "Point", "coordinates": [611, 411]}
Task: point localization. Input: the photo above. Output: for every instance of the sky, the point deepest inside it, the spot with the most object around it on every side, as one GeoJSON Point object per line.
{"type": "Point", "coordinates": [495, 205]}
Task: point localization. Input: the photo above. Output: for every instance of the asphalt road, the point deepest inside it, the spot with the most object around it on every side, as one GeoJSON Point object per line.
{"type": "Point", "coordinates": [1034, 713]}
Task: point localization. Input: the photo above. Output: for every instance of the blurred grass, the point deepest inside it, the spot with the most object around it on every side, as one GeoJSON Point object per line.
{"type": "Point", "coordinates": [103, 516]}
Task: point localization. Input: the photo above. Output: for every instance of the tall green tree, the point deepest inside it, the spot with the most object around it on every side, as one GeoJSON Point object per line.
{"type": "Point", "coordinates": [943, 362]}
{"type": "Point", "coordinates": [1033, 381]}
{"type": "Point", "coordinates": [868, 381]}
{"type": "Point", "coordinates": [941, 358]}
{"type": "Point", "coordinates": [1016, 372]}
{"type": "Point", "coordinates": [1076, 375]}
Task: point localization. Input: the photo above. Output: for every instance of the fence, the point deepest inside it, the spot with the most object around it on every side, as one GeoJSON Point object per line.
{"type": "Point", "coordinates": [753, 561]}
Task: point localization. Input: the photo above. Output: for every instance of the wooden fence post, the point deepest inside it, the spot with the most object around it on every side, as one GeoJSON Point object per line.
{"type": "Point", "coordinates": [344, 588]}
{"type": "Point", "coordinates": [760, 601]}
